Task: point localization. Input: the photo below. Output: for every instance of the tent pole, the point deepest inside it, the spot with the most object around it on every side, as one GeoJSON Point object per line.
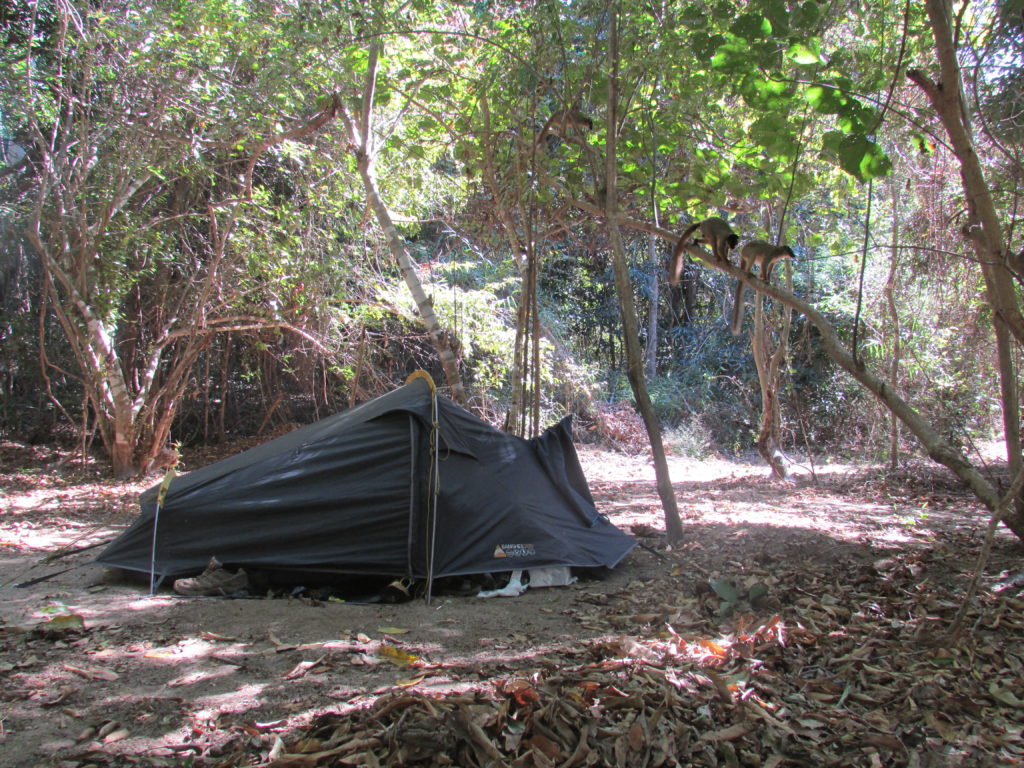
{"type": "Point", "coordinates": [433, 484]}
{"type": "Point", "coordinates": [160, 496]}
{"type": "Point", "coordinates": [434, 490]}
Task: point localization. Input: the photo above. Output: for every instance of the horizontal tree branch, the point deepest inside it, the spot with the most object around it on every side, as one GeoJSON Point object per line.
{"type": "Point", "coordinates": [938, 448]}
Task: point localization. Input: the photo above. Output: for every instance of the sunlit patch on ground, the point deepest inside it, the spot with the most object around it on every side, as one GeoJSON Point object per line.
{"type": "Point", "coordinates": [788, 602]}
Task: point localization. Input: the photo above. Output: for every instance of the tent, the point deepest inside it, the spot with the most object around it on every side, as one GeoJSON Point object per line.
{"type": "Point", "coordinates": [407, 485]}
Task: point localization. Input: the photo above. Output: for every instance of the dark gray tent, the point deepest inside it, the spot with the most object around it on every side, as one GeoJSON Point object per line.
{"type": "Point", "coordinates": [356, 493]}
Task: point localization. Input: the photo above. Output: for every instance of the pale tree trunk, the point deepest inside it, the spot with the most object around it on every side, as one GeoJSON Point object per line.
{"type": "Point", "coordinates": [526, 372]}
{"type": "Point", "coordinates": [535, 340]}
{"type": "Point", "coordinates": [895, 348]}
{"type": "Point", "coordinates": [688, 285]}
{"type": "Point", "coordinates": [360, 135]}
{"type": "Point", "coordinates": [627, 308]}
{"type": "Point", "coordinates": [1008, 387]}
{"type": "Point", "coordinates": [102, 373]}
{"type": "Point", "coordinates": [85, 183]}
{"type": "Point", "coordinates": [522, 416]}
{"type": "Point", "coordinates": [769, 366]}
{"type": "Point", "coordinates": [424, 305]}
{"type": "Point", "coordinates": [515, 422]}
{"type": "Point", "coordinates": [651, 350]}
{"type": "Point", "coordinates": [134, 417]}
{"type": "Point", "coordinates": [998, 264]}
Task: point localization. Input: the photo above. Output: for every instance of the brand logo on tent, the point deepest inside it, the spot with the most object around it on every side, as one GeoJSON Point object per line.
{"type": "Point", "coordinates": [514, 550]}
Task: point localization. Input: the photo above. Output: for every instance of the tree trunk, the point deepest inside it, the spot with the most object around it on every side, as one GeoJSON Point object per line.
{"type": "Point", "coordinates": [627, 308]}
{"type": "Point", "coordinates": [937, 447]}
{"type": "Point", "coordinates": [1008, 386]}
{"type": "Point", "coordinates": [769, 366]}
{"type": "Point", "coordinates": [998, 263]}
{"type": "Point", "coordinates": [424, 305]}
{"type": "Point", "coordinates": [535, 365]}
{"type": "Point", "coordinates": [360, 135]}
{"type": "Point", "coordinates": [93, 158]}
{"type": "Point", "coordinates": [651, 350]}
{"type": "Point", "coordinates": [889, 292]}
{"type": "Point", "coordinates": [514, 421]}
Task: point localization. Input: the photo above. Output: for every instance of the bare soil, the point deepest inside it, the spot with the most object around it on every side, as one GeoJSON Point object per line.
{"type": "Point", "coordinates": [854, 563]}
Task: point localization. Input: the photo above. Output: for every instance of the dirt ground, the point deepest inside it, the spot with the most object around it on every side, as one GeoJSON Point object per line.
{"type": "Point", "coordinates": [95, 671]}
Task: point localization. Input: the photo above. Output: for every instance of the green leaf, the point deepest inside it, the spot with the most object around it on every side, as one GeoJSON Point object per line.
{"type": "Point", "coordinates": [757, 592]}
{"type": "Point", "coordinates": [806, 54]}
{"type": "Point", "coordinates": [732, 57]}
{"type": "Point", "coordinates": [832, 140]}
{"type": "Point", "coordinates": [824, 98]}
{"type": "Point", "coordinates": [693, 16]}
{"type": "Point", "coordinates": [705, 45]}
{"type": "Point", "coordinates": [725, 590]}
{"type": "Point", "coordinates": [766, 53]}
{"type": "Point", "coordinates": [765, 95]}
{"type": "Point", "coordinates": [806, 16]}
{"type": "Point", "coordinates": [772, 132]}
{"type": "Point", "coordinates": [777, 13]}
{"type": "Point", "coordinates": [357, 60]}
{"type": "Point", "coordinates": [751, 26]}
{"type": "Point", "coordinates": [863, 158]}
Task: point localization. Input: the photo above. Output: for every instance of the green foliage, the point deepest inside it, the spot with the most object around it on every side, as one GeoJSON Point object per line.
{"type": "Point", "coordinates": [709, 377]}
{"type": "Point", "coordinates": [735, 598]}
{"type": "Point", "coordinates": [730, 106]}
{"type": "Point", "coordinates": [690, 438]}
{"type": "Point", "coordinates": [471, 302]}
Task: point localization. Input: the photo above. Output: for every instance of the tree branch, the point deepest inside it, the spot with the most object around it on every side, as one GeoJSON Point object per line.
{"type": "Point", "coordinates": [937, 447]}
{"type": "Point", "coordinates": [315, 123]}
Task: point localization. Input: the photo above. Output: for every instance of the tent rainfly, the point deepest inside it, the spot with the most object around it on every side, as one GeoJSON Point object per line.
{"type": "Point", "coordinates": [406, 485]}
